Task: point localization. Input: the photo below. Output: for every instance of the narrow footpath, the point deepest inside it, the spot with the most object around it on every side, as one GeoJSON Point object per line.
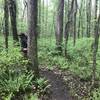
{"type": "Point", "coordinates": [58, 89]}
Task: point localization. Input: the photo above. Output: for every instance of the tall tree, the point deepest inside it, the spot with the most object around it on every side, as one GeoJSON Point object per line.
{"type": "Point", "coordinates": [43, 17]}
{"type": "Point", "coordinates": [13, 11]}
{"type": "Point", "coordinates": [46, 23]}
{"type": "Point", "coordinates": [39, 16]}
{"type": "Point", "coordinates": [80, 18]}
{"type": "Point", "coordinates": [74, 9]}
{"type": "Point", "coordinates": [89, 3]}
{"type": "Point", "coordinates": [59, 25]}
{"type": "Point", "coordinates": [96, 41]}
{"type": "Point", "coordinates": [6, 18]}
{"type": "Point", "coordinates": [68, 27]}
{"type": "Point", "coordinates": [66, 7]}
{"type": "Point", "coordinates": [83, 19]}
{"type": "Point", "coordinates": [32, 35]}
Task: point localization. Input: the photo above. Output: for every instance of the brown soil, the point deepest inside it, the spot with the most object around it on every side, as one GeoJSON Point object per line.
{"type": "Point", "coordinates": [58, 88]}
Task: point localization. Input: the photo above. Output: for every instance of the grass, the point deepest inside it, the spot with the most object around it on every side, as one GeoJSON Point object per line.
{"type": "Point", "coordinates": [15, 79]}
{"type": "Point", "coordinates": [78, 61]}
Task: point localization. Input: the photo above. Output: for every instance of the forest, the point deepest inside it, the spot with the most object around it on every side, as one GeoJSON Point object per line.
{"type": "Point", "coordinates": [49, 50]}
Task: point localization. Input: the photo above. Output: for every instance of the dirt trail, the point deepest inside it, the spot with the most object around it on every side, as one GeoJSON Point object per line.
{"type": "Point", "coordinates": [58, 89]}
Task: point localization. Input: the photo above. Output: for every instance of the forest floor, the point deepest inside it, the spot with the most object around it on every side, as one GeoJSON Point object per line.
{"type": "Point", "coordinates": [58, 88]}
{"type": "Point", "coordinates": [65, 85]}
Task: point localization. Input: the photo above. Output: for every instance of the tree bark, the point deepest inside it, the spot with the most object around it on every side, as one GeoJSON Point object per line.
{"type": "Point", "coordinates": [96, 41]}
{"type": "Point", "coordinates": [46, 24]}
{"type": "Point", "coordinates": [6, 18]}
{"type": "Point", "coordinates": [74, 9]}
{"type": "Point", "coordinates": [80, 19]}
{"type": "Point", "coordinates": [71, 21]}
{"type": "Point", "coordinates": [59, 25]}
{"type": "Point", "coordinates": [88, 17]}
{"type": "Point", "coordinates": [68, 28]}
{"type": "Point", "coordinates": [12, 7]}
{"type": "Point", "coordinates": [32, 35]}
{"type": "Point", "coordinates": [39, 17]}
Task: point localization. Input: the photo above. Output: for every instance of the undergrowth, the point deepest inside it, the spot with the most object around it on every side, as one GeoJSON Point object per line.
{"type": "Point", "coordinates": [78, 60]}
{"type": "Point", "coordinates": [16, 82]}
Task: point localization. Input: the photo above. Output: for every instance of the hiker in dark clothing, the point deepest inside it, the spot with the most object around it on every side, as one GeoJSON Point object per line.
{"type": "Point", "coordinates": [23, 41]}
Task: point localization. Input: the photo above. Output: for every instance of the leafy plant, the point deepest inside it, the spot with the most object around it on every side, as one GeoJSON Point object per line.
{"type": "Point", "coordinates": [95, 94]}
{"type": "Point", "coordinates": [12, 60]}
{"type": "Point", "coordinates": [42, 84]}
{"type": "Point", "coordinates": [14, 82]}
{"type": "Point", "coordinates": [31, 97]}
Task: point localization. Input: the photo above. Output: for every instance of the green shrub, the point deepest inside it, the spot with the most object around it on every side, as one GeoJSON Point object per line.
{"type": "Point", "coordinates": [31, 97]}
{"type": "Point", "coordinates": [96, 94]}
{"type": "Point", "coordinates": [79, 57]}
{"type": "Point", "coordinates": [11, 83]}
{"type": "Point", "coordinates": [13, 72]}
{"type": "Point", "coordinates": [43, 86]}
{"type": "Point", "coordinates": [12, 61]}
{"type": "Point", "coordinates": [15, 78]}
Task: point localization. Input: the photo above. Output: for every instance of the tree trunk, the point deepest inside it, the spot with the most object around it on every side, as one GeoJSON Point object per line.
{"type": "Point", "coordinates": [46, 24]}
{"type": "Point", "coordinates": [96, 41]}
{"type": "Point", "coordinates": [68, 28]}
{"type": "Point", "coordinates": [71, 21]}
{"type": "Point", "coordinates": [59, 25]}
{"type": "Point", "coordinates": [43, 17]}
{"type": "Point", "coordinates": [32, 35]}
{"type": "Point", "coordinates": [6, 18]}
{"type": "Point", "coordinates": [88, 17]}
{"type": "Point", "coordinates": [39, 17]}
{"type": "Point", "coordinates": [80, 19]}
{"type": "Point", "coordinates": [12, 7]}
{"type": "Point", "coordinates": [66, 8]}
{"type": "Point", "coordinates": [74, 9]}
